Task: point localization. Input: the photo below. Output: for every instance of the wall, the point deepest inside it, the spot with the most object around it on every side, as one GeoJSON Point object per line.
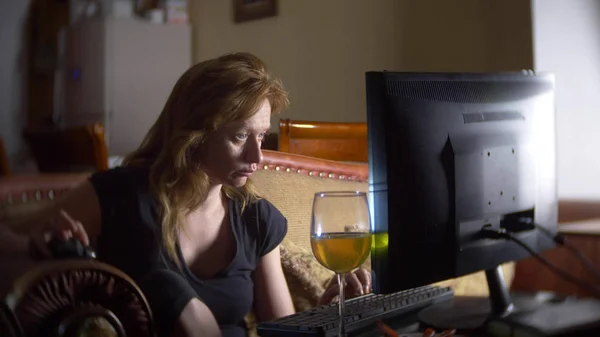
{"type": "Point", "coordinates": [321, 49]}
{"type": "Point", "coordinates": [12, 73]}
{"type": "Point", "coordinates": [468, 36]}
{"type": "Point", "coordinates": [567, 43]}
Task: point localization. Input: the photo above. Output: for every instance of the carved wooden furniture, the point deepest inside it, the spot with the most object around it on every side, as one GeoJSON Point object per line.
{"type": "Point", "coordinates": [78, 298]}
{"type": "Point", "coordinates": [327, 140]}
{"type": "Point", "coordinates": [75, 149]}
{"type": "Point", "coordinates": [279, 161]}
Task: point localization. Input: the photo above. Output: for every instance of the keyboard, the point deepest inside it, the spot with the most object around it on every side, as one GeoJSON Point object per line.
{"type": "Point", "coordinates": [360, 312]}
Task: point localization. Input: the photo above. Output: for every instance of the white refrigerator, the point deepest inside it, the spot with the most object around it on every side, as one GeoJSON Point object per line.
{"type": "Point", "coordinates": [119, 71]}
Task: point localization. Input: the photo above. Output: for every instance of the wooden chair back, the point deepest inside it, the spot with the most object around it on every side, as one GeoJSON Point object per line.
{"type": "Point", "coordinates": [74, 149]}
{"type": "Point", "coordinates": [4, 168]}
{"type": "Point", "coordinates": [326, 140]}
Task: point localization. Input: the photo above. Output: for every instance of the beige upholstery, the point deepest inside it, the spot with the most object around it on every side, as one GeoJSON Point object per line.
{"type": "Point", "coordinates": [293, 193]}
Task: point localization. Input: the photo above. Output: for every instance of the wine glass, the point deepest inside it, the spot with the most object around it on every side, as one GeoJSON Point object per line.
{"type": "Point", "coordinates": [340, 235]}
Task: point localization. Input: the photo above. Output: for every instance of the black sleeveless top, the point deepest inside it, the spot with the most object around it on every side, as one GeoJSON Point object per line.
{"type": "Point", "coordinates": [130, 240]}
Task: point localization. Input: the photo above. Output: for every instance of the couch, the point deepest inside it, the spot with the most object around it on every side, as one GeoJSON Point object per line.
{"type": "Point", "coordinates": [288, 180]}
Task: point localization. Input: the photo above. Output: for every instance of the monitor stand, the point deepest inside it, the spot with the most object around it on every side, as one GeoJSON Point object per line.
{"type": "Point", "coordinates": [468, 313]}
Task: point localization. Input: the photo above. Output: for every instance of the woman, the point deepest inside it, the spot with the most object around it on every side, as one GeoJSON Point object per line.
{"type": "Point", "coordinates": [181, 216]}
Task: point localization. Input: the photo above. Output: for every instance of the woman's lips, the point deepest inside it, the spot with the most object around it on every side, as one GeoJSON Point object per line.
{"type": "Point", "coordinates": [245, 173]}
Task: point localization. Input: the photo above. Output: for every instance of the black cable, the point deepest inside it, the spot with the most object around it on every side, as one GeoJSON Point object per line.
{"type": "Point", "coordinates": [526, 223]}
{"type": "Point", "coordinates": [504, 234]}
{"type": "Point", "coordinates": [561, 240]}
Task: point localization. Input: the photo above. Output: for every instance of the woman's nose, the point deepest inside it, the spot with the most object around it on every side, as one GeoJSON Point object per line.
{"type": "Point", "coordinates": [253, 153]}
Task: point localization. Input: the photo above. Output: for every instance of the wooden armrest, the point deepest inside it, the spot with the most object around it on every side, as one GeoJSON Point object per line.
{"type": "Point", "coordinates": [79, 295]}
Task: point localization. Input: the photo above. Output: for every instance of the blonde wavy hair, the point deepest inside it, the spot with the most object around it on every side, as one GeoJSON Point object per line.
{"type": "Point", "coordinates": [208, 96]}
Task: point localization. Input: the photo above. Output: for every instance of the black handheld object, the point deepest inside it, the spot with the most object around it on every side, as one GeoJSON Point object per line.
{"type": "Point", "coordinates": [70, 248]}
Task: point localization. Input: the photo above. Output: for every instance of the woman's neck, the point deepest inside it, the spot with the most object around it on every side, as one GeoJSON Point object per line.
{"type": "Point", "coordinates": [214, 199]}
{"type": "Point", "coordinates": [210, 214]}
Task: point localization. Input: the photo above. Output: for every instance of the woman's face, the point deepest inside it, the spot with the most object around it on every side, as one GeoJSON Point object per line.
{"type": "Point", "coordinates": [232, 153]}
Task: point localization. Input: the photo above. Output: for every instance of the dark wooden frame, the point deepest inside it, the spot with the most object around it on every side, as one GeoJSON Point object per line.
{"type": "Point", "coordinates": [85, 144]}
{"type": "Point", "coordinates": [326, 140]}
{"type": "Point", "coordinates": [4, 166]}
{"type": "Point", "coordinates": [243, 11]}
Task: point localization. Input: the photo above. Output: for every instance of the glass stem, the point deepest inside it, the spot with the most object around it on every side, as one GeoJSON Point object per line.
{"type": "Point", "coordinates": [342, 281]}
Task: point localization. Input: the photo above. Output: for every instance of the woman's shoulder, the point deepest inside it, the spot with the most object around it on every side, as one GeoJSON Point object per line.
{"type": "Point", "coordinates": [264, 211]}
{"type": "Point", "coordinates": [119, 179]}
{"type": "Point", "coordinates": [269, 223]}
{"type": "Point", "coordinates": [266, 207]}
{"type": "Point", "coordinates": [122, 172]}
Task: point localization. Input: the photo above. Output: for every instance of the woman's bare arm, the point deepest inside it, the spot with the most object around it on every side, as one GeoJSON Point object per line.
{"type": "Point", "coordinates": [81, 204]}
{"type": "Point", "coordinates": [272, 297]}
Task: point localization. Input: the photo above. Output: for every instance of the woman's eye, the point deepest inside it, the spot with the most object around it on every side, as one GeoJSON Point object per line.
{"type": "Point", "coordinates": [241, 136]}
{"type": "Point", "coordinates": [262, 136]}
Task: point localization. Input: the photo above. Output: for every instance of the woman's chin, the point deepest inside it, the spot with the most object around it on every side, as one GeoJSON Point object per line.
{"type": "Point", "coordinates": [238, 181]}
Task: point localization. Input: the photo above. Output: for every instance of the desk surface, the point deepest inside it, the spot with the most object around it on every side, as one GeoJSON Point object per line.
{"type": "Point", "coordinates": [405, 326]}
{"type": "Point", "coordinates": [408, 325]}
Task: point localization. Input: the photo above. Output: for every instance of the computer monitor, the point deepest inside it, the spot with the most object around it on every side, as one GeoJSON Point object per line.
{"type": "Point", "coordinates": [450, 154]}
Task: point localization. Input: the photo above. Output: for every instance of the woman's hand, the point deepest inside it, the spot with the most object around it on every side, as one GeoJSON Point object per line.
{"type": "Point", "coordinates": [357, 283]}
{"type": "Point", "coordinates": [63, 227]}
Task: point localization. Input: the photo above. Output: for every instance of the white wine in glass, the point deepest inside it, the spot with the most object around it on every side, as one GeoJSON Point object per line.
{"type": "Point", "coordinates": [340, 235]}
